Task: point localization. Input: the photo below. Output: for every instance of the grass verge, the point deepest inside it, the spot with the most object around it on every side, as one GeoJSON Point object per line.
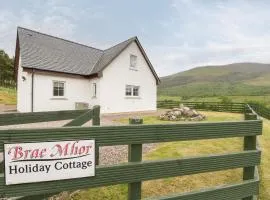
{"type": "Point", "coordinates": [7, 96]}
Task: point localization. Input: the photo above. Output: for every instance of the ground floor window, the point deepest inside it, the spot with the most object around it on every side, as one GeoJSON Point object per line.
{"type": "Point", "coordinates": [94, 89]}
{"type": "Point", "coordinates": [58, 88]}
{"type": "Point", "coordinates": [132, 90]}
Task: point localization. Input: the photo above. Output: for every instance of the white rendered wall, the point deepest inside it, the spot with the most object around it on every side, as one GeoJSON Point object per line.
{"type": "Point", "coordinates": [76, 90]}
{"type": "Point", "coordinates": [110, 88]}
{"type": "Point", "coordinates": [118, 74]}
{"type": "Point", "coordinates": [23, 90]}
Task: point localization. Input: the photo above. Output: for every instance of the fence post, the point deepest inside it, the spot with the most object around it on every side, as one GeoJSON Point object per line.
{"type": "Point", "coordinates": [96, 122]}
{"type": "Point", "coordinates": [249, 144]}
{"type": "Point", "coordinates": [96, 116]}
{"type": "Point", "coordinates": [134, 155]}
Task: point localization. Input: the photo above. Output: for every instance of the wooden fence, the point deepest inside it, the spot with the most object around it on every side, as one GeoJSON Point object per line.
{"type": "Point", "coordinates": [79, 117]}
{"type": "Point", "coordinates": [261, 110]}
{"type": "Point", "coordinates": [136, 171]}
{"type": "Point", "coordinates": [7, 83]}
{"type": "Point", "coordinates": [25, 118]}
{"type": "Point", "coordinates": [213, 106]}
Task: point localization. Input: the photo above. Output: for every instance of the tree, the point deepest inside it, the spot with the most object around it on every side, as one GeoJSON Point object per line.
{"type": "Point", "coordinates": [6, 69]}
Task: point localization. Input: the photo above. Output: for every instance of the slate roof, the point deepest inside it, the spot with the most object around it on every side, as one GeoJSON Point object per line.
{"type": "Point", "coordinates": [46, 52]}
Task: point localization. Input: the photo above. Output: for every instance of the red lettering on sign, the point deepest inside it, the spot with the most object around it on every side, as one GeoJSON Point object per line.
{"type": "Point", "coordinates": [18, 152]}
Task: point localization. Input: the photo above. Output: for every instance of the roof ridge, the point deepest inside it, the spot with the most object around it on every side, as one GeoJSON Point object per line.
{"type": "Point", "coordinates": [132, 38]}
{"type": "Point", "coordinates": [100, 58]}
{"type": "Point", "coordinates": [60, 38]}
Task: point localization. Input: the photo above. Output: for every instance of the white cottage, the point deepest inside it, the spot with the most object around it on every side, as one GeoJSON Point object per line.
{"type": "Point", "coordinates": [57, 74]}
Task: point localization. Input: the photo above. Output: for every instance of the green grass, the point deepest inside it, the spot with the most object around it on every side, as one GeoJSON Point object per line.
{"type": "Point", "coordinates": [7, 96]}
{"type": "Point", "coordinates": [262, 99]}
{"type": "Point", "coordinates": [211, 116]}
{"type": "Point", "coordinates": [190, 148]}
{"type": "Point", "coordinates": [264, 167]}
{"type": "Point", "coordinates": [214, 89]}
{"type": "Point", "coordinates": [235, 79]}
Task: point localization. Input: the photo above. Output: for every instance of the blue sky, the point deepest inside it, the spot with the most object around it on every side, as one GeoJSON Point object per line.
{"type": "Point", "coordinates": [176, 34]}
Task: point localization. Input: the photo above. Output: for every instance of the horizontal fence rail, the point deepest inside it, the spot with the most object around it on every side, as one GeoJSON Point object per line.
{"type": "Point", "coordinates": [141, 171]}
{"type": "Point", "coordinates": [79, 117]}
{"type": "Point", "coordinates": [121, 135]}
{"type": "Point", "coordinates": [261, 110]}
{"type": "Point", "coordinates": [225, 192]}
{"type": "Point", "coordinates": [25, 118]}
{"type": "Point", "coordinates": [136, 171]}
{"type": "Point", "coordinates": [213, 106]}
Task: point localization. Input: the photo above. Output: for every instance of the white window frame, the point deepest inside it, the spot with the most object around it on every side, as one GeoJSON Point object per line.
{"type": "Point", "coordinates": [138, 91]}
{"type": "Point", "coordinates": [133, 61]}
{"type": "Point", "coordinates": [94, 89]}
{"type": "Point", "coordinates": [132, 87]}
{"type": "Point", "coordinates": [128, 87]}
{"type": "Point", "coordinates": [64, 89]}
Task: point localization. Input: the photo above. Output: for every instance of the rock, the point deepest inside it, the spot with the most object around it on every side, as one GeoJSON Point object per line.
{"type": "Point", "coordinates": [166, 117]}
{"type": "Point", "coordinates": [195, 112]}
{"type": "Point", "coordinates": [186, 108]}
{"type": "Point", "coordinates": [197, 118]}
{"type": "Point", "coordinates": [189, 113]}
{"type": "Point", "coordinates": [183, 114]}
{"type": "Point", "coordinates": [162, 116]}
{"type": "Point", "coordinates": [177, 113]}
{"type": "Point", "coordinates": [173, 118]}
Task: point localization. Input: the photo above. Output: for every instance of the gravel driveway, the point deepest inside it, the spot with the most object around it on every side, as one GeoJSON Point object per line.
{"type": "Point", "coordinates": [108, 154]}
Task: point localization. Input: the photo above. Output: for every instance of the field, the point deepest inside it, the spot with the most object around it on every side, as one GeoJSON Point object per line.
{"type": "Point", "coordinates": [190, 148]}
{"type": "Point", "coordinates": [244, 79]}
{"type": "Point", "coordinates": [7, 96]}
{"type": "Point", "coordinates": [261, 99]}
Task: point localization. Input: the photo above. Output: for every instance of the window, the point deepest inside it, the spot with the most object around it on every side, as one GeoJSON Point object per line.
{"type": "Point", "coordinates": [128, 90]}
{"type": "Point", "coordinates": [58, 88]}
{"type": "Point", "coordinates": [133, 61]}
{"type": "Point", "coordinates": [136, 91]}
{"type": "Point", "coordinates": [132, 90]}
{"type": "Point", "coordinates": [94, 89]}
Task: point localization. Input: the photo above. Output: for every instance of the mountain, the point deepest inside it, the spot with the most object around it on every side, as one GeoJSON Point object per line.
{"type": "Point", "coordinates": [232, 79]}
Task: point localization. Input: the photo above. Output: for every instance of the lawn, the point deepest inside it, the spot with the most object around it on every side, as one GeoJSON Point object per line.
{"type": "Point", "coordinates": [7, 96]}
{"type": "Point", "coordinates": [190, 148]}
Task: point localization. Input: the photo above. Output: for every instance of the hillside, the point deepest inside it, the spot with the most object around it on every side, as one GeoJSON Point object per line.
{"type": "Point", "coordinates": [232, 79]}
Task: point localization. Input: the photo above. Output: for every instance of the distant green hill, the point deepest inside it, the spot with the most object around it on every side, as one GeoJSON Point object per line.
{"type": "Point", "coordinates": [232, 79]}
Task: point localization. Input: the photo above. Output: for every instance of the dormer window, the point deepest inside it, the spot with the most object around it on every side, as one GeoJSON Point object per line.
{"type": "Point", "coordinates": [133, 61]}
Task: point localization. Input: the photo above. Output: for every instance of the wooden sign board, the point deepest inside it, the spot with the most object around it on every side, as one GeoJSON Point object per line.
{"type": "Point", "coordinates": [48, 161]}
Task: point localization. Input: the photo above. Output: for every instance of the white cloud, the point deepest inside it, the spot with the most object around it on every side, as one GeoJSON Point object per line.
{"type": "Point", "coordinates": [55, 17]}
{"type": "Point", "coordinates": [193, 33]}
{"type": "Point", "coordinates": [208, 33]}
{"type": "Point", "coordinates": [52, 24]}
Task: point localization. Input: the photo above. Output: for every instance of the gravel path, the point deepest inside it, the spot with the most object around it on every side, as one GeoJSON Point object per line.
{"type": "Point", "coordinates": [116, 154]}
{"type": "Point", "coordinates": [108, 154]}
